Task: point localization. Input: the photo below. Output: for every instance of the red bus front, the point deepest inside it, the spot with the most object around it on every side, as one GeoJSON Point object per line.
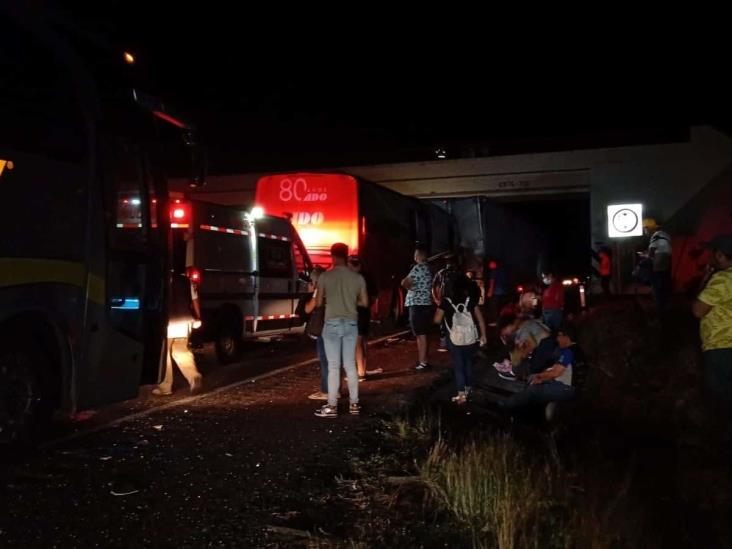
{"type": "Point", "coordinates": [323, 209]}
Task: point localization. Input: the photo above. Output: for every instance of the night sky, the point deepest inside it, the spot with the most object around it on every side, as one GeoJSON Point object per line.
{"type": "Point", "coordinates": [274, 92]}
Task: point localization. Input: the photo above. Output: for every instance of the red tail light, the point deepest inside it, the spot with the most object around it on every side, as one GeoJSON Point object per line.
{"type": "Point", "coordinates": [193, 274]}
{"type": "Point", "coordinates": [180, 214]}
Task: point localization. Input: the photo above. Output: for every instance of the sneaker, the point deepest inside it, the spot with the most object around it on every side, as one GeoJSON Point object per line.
{"type": "Point", "coordinates": [354, 409]}
{"type": "Point", "coordinates": [421, 366]}
{"type": "Point", "coordinates": [442, 349]}
{"type": "Point", "coordinates": [461, 398]}
{"type": "Point", "coordinates": [319, 395]}
{"type": "Point", "coordinates": [508, 376]}
{"type": "Point", "coordinates": [327, 411]}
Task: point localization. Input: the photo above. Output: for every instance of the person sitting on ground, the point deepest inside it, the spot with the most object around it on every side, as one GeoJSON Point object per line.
{"type": "Point", "coordinates": [531, 338]}
{"type": "Point", "coordinates": [552, 384]}
{"type": "Point", "coordinates": [523, 307]}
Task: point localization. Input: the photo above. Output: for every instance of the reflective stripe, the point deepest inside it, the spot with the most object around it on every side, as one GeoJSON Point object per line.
{"type": "Point", "coordinates": [224, 230]}
{"type": "Point", "coordinates": [272, 317]}
{"type": "Point", "coordinates": [23, 271]}
{"type": "Point", "coordinates": [274, 237]}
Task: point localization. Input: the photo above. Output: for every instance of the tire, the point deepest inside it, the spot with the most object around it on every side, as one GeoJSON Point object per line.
{"type": "Point", "coordinates": [228, 340]}
{"type": "Point", "coordinates": [25, 412]}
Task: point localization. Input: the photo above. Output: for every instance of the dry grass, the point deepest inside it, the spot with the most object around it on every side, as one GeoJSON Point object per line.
{"type": "Point", "coordinates": [492, 489]}
{"type": "Point", "coordinates": [420, 429]}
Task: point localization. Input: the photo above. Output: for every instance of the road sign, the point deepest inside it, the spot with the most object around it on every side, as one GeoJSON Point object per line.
{"type": "Point", "coordinates": [625, 220]}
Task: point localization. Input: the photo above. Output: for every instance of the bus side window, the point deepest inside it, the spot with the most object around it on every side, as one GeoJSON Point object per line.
{"type": "Point", "coordinates": [274, 258]}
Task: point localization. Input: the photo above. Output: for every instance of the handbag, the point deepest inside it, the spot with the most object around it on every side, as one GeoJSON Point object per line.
{"type": "Point", "coordinates": [314, 327]}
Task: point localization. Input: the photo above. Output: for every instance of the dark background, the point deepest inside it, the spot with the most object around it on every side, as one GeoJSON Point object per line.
{"type": "Point", "coordinates": [277, 88]}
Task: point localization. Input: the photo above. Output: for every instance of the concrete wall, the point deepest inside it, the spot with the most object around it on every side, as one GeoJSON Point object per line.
{"type": "Point", "coordinates": [661, 177]}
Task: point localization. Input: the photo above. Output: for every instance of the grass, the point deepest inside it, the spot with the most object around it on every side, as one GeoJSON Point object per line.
{"type": "Point", "coordinates": [438, 481]}
{"type": "Point", "coordinates": [492, 489]}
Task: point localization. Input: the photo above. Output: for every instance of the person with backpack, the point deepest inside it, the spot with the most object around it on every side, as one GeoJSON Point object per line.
{"type": "Point", "coordinates": [458, 312]}
{"type": "Point", "coordinates": [441, 283]}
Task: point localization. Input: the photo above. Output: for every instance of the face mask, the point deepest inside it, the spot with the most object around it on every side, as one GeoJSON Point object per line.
{"type": "Point", "coordinates": [546, 280]}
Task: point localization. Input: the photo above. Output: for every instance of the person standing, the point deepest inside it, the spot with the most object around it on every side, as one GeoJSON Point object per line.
{"type": "Point", "coordinates": [460, 313]}
{"type": "Point", "coordinates": [419, 302]}
{"type": "Point", "coordinates": [341, 291]}
{"type": "Point", "coordinates": [605, 269]}
{"type": "Point", "coordinates": [364, 321]}
{"type": "Point", "coordinates": [322, 394]}
{"type": "Point", "coordinates": [442, 282]}
{"type": "Point", "coordinates": [184, 315]}
{"type": "Point", "coordinates": [713, 307]}
{"type": "Point", "coordinates": [552, 301]}
{"type": "Point", "coordinates": [659, 254]}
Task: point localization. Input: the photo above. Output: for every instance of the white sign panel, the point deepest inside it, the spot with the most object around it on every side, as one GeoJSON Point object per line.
{"type": "Point", "coordinates": [625, 220]}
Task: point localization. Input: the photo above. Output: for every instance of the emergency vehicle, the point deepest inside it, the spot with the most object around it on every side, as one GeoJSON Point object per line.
{"type": "Point", "coordinates": [251, 272]}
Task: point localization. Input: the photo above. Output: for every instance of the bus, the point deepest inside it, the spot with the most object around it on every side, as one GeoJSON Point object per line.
{"type": "Point", "coordinates": [85, 226]}
{"type": "Point", "coordinates": [378, 224]}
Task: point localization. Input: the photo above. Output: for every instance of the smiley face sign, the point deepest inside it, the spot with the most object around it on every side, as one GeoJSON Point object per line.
{"type": "Point", "coordinates": [624, 220]}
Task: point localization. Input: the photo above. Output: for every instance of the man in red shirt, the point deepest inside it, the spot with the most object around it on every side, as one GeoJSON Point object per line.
{"type": "Point", "coordinates": [552, 301]}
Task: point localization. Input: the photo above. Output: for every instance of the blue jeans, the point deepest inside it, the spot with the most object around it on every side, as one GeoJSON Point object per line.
{"type": "Point", "coordinates": [462, 357]}
{"type": "Point", "coordinates": [339, 336]}
{"type": "Point", "coordinates": [552, 318]}
{"type": "Point", "coordinates": [320, 349]}
{"type": "Point", "coordinates": [543, 393]}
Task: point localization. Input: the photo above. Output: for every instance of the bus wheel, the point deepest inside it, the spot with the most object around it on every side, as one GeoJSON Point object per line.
{"type": "Point", "coordinates": [228, 341]}
{"type": "Point", "coordinates": [21, 412]}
